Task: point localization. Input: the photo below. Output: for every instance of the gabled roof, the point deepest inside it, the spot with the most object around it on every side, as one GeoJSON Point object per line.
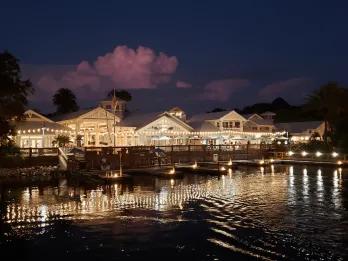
{"type": "Point", "coordinates": [30, 112]}
{"type": "Point", "coordinates": [82, 113]}
{"type": "Point", "coordinates": [39, 123]}
{"type": "Point", "coordinates": [176, 109]}
{"type": "Point", "coordinates": [204, 126]}
{"type": "Point", "coordinates": [261, 121]}
{"type": "Point", "coordinates": [71, 115]}
{"type": "Point", "coordinates": [141, 120]}
{"type": "Point", "coordinates": [202, 122]}
{"type": "Point", "coordinates": [136, 119]}
{"type": "Point", "coordinates": [298, 127]}
{"type": "Point", "coordinates": [208, 116]}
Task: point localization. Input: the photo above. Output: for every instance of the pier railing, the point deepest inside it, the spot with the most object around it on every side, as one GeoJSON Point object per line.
{"type": "Point", "coordinates": [141, 156]}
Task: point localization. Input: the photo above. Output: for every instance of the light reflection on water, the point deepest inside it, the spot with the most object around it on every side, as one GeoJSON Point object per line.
{"type": "Point", "coordinates": [274, 212]}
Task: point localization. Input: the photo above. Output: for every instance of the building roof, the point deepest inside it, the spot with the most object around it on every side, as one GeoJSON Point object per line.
{"type": "Point", "coordinates": [298, 127]}
{"type": "Point", "coordinates": [176, 109]}
{"type": "Point", "coordinates": [203, 126]}
{"type": "Point", "coordinates": [71, 115]}
{"type": "Point", "coordinates": [140, 120]}
{"type": "Point", "coordinates": [208, 116]}
{"type": "Point", "coordinates": [137, 119]}
{"type": "Point", "coordinates": [268, 113]}
{"type": "Point", "coordinates": [35, 125]}
{"type": "Point", "coordinates": [261, 121]}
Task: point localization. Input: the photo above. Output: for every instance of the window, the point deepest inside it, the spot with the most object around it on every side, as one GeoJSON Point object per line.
{"type": "Point", "coordinates": [218, 124]}
{"type": "Point", "coordinates": [225, 124]}
{"type": "Point", "coordinates": [230, 124]}
{"type": "Point", "coordinates": [237, 124]}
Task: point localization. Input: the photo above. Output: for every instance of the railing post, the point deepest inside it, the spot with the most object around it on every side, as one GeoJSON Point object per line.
{"type": "Point", "coordinates": [189, 153]}
{"type": "Point", "coordinates": [247, 151]}
{"type": "Point", "coordinates": [171, 155]}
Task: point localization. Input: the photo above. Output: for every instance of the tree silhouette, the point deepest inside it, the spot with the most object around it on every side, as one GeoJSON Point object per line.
{"type": "Point", "coordinates": [13, 95]}
{"type": "Point", "coordinates": [121, 94]}
{"type": "Point", "coordinates": [330, 101]}
{"type": "Point", "coordinates": [65, 101]}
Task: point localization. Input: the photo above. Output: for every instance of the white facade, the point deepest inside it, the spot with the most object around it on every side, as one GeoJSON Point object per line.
{"type": "Point", "coordinates": [37, 131]}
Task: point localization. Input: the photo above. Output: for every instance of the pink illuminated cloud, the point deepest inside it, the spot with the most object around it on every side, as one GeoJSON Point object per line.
{"type": "Point", "coordinates": [123, 68]}
{"type": "Point", "coordinates": [221, 90]}
{"type": "Point", "coordinates": [183, 85]}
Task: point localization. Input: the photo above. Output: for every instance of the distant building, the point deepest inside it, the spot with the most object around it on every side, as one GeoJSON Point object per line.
{"type": "Point", "coordinates": [257, 123]}
{"type": "Point", "coordinates": [302, 131]}
{"type": "Point", "coordinates": [109, 125]}
{"type": "Point", "coordinates": [97, 127]}
{"type": "Point", "coordinates": [37, 131]}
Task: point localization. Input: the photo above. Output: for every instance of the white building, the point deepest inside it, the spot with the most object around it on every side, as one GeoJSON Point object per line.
{"type": "Point", "coordinates": [37, 131]}
{"type": "Point", "coordinates": [101, 127]}
{"type": "Point", "coordinates": [302, 131]}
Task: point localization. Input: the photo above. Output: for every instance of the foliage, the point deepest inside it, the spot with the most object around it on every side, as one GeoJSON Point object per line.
{"type": "Point", "coordinates": [13, 95]}
{"type": "Point", "coordinates": [313, 146]}
{"type": "Point", "coordinates": [61, 140]}
{"type": "Point", "coordinates": [276, 105]}
{"type": "Point", "coordinates": [121, 94]}
{"type": "Point", "coordinates": [330, 101]}
{"type": "Point", "coordinates": [9, 149]}
{"type": "Point", "coordinates": [65, 101]}
{"type": "Point", "coordinates": [217, 110]}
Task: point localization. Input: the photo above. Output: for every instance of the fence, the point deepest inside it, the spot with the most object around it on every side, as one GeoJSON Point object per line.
{"type": "Point", "coordinates": [141, 156]}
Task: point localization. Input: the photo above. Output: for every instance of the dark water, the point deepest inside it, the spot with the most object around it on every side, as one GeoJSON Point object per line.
{"type": "Point", "coordinates": [281, 213]}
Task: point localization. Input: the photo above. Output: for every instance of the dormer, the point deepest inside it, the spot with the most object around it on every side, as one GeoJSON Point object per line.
{"type": "Point", "coordinates": [178, 112]}
{"type": "Point", "coordinates": [119, 109]}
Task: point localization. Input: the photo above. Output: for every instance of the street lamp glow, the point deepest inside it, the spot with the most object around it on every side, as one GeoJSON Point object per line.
{"type": "Point", "coordinates": [261, 162]}
{"type": "Point", "coordinates": [222, 168]}
{"type": "Point", "coordinates": [334, 154]}
{"type": "Point", "coordinates": [194, 166]}
{"type": "Point", "coordinates": [339, 162]}
{"type": "Point", "coordinates": [229, 163]}
{"type": "Point", "coordinates": [290, 153]}
{"type": "Point", "coordinates": [172, 171]}
{"type": "Point", "coordinates": [304, 153]}
{"type": "Point", "coordinates": [318, 154]}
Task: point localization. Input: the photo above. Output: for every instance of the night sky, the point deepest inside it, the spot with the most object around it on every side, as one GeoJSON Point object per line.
{"type": "Point", "coordinates": [178, 53]}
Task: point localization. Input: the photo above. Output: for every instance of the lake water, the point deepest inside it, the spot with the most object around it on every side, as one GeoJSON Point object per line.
{"type": "Point", "coordinates": [271, 213]}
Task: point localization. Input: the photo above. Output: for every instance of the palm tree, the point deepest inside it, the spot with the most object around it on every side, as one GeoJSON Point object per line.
{"type": "Point", "coordinates": [329, 102]}
{"type": "Point", "coordinates": [121, 94]}
{"type": "Point", "coordinates": [65, 101]}
{"type": "Point", "coordinates": [61, 140]}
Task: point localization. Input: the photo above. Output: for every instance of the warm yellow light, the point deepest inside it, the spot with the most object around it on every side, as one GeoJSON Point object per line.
{"type": "Point", "coordinates": [339, 162]}
{"type": "Point", "coordinates": [222, 168]}
{"type": "Point", "coordinates": [290, 153]}
{"type": "Point", "coordinates": [194, 166]}
{"type": "Point", "coordinates": [172, 171]}
{"type": "Point", "coordinates": [271, 160]}
{"type": "Point", "coordinates": [261, 162]}
{"type": "Point", "coordinates": [229, 163]}
{"type": "Point", "coordinates": [230, 172]}
{"type": "Point", "coordinates": [304, 153]}
{"type": "Point", "coordinates": [318, 154]}
{"type": "Point", "coordinates": [334, 154]}
{"type": "Point", "coordinates": [172, 182]}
